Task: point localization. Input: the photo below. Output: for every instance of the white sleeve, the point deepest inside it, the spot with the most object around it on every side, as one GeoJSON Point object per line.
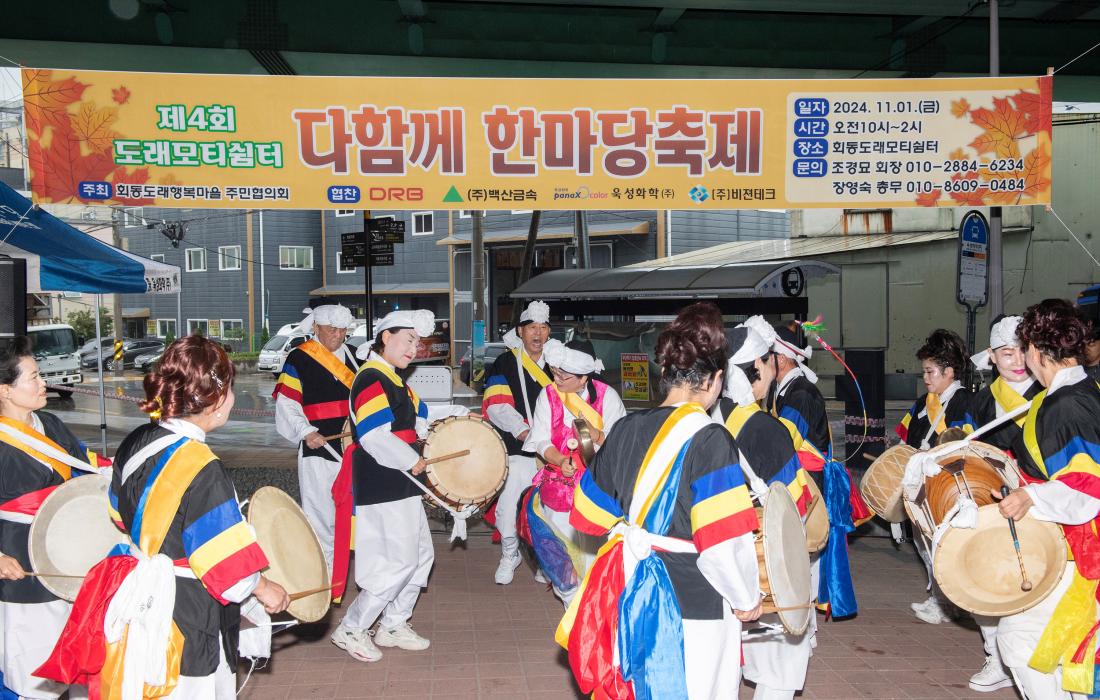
{"type": "Point", "coordinates": [388, 449]}
{"type": "Point", "coordinates": [243, 588]}
{"type": "Point", "coordinates": [538, 440]}
{"type": "Point", "coordinates": [613, 409]}
{"type": "Point", "coordinates": [507, 418]}
{"type": "Point", "coordinates": [1057, 503]}
{"type": "Point", "coordinates": [731, 568]}
{"type": "Point", "coordinates": [290, 420]}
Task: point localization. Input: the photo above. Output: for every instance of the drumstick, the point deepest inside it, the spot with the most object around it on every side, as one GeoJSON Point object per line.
{"type": "Point", "coordinates": [338, 436]}
{"type": "Point", "coordinates": [313, 591]}
{"type": "Point", "coordinates": [1025, 585]}
{"type": "Point", "coordinates": [443, 458]}
{"type": "Point", "coordinates": [46, 575]}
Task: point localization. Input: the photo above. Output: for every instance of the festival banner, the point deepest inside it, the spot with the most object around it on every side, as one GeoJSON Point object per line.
{"type": "Point", "coordinates": [243, 141]}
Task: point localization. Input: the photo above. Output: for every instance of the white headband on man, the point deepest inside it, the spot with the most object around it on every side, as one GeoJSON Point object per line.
{"type": "Point", "coordinates": [750, 346]}
{"type": "Point", "coordinates": [569, 359]}
{"type": "Point", "coordinates": [333, 315]}
{"type": "Point", "coordinates": [1003, 333]}
{"type": "Point", "coordinates": [781, 347]}
{"type": "Point", "coordinates": [536, 312]}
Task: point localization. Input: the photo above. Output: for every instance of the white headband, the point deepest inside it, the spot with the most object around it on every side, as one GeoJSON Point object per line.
{"type": "Point", "coordinates": [570, 360]}
{"type": "Point", "coordinates": [738, 387]}
{"type": "Point", "coordinates": [1003, 333]}
{"type": "Point", "coordinates": [333, 315]}
{"type": "Point", "coordinates": [536, 312]}
{"type": "Point", "coordinates": [778, 346]}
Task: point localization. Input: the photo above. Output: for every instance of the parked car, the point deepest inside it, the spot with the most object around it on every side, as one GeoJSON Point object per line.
{"type": "Point", "coordinates": [273, 354]}
{"type": "Point", "coordinates": [492, 351]}
{"type": "Point", "coordinates": [131, 349]}
{"type": "Point", "coordinates": [88, 351]}
{"type": "Point", "coordinates": [147, 362]}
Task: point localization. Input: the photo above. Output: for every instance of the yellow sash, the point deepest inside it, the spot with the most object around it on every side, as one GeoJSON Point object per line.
{"type": "Point", "coordinates": [1075, 614]}
{"type": "Point", "coordinates": [933, 407]}
{"type": "Point", "coordinates": [392, 376]}
{"type": "Point", "coordinates": [64, 470]}
{"type": "Point", "coordinates": [580, 408]}
{"type": "Point", "coordinates": [532, 368]}
{"type": "Point", "coordinates": [1007, 398]}
{"type": "Point", "coordinates": [163, 503]}
{"type": "Point", "coordinates": [739, 416]}
{"type": "Point", "coordinates": [329, 361]}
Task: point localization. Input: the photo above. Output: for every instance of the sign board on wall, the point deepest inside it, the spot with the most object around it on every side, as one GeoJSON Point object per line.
{"type": "Point", "coordinates": [241, 141]}
{"type": "Point", "coordinates": [973, 281]}
{"type": "Point", "coordinates": [635, 376]}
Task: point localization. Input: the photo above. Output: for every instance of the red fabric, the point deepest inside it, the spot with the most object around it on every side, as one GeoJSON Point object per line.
{"type": "Point", "coordinates": [292, 394]}
{"type": "Point", "coordinates": [523, 527]}
{"type": "Point", "coordinates": [810, 462]}
{"type": "Point", "coordinates": [28, 503]}
{"type": "Point", "coordinates": [406, 436]}
{"type": "Point", "coordinates": [860, 511]}
{"type": "Point", "coordinates": [1083, 542]}
{"type": "Point", "coordinates": [592, 639]}
{"type": "Point", "coordinates": [345, 508]}
{"type": "Point", "coordinates": [81, 650]}
{"type": "Point", "coordinates": [325, 409]}
{"type": "Point", "coordinates": [102, 461]}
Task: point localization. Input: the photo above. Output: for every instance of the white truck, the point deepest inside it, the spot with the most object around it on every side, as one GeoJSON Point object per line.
{"type": "Point", "coordinates": [56, 350]}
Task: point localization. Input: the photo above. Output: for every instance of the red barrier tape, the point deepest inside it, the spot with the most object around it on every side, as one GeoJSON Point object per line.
{"type": "Point", "coordinates": [255, 412]}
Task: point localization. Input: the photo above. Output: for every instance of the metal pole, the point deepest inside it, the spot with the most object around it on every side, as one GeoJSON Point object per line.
{"type": "Point", "coordinates": [580, 230]}
{"type": "Point", "coordinates": [477, 268]}
{"type": "Point", "coordinates": [116, 298]}
{"type": "Point", "coordinates": [368, 298]}
{"type": "Point", "coordinates": [263, 286]}
{"type": "Point", "coordinates": [99, 370]}
{"type": "Point", "coordinates": [996, 264]}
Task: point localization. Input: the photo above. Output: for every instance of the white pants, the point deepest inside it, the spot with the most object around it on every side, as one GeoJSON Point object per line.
{"type": "Point", "coordinates": [775, 661]}
{"type": "Point", "coordinates": [988, 627]}
{"type": "Point", "coordinates": [219, 685]}
{"type": "Point", "coordinates": [28, 632]}
{"type": "Point", "coordinates": [712, 657]}
{"type": "Point", "coordinates": [521, 470]}
{"type": "Point", "coordinates": [393, 557]}
{"type": "Point", "coordinates": [587, 544]}
{"type": "Point", "coordinates": [1017, 637]}
{"type": "Point", "coordinates": [315, 478]}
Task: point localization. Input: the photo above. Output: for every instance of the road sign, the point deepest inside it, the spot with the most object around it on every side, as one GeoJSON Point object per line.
{"type": "Point", "coordinates": [386, 230]}
{"type": "Point", "coordinates": [973, 282]}
{"type": "Point", "coordinates": [382, 260]}
{"type": "Point", "coordinates": [353, 250]}
{"type": "Point", "coordinates": [381, 248]}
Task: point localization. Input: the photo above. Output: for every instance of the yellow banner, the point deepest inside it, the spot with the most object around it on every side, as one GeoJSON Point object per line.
{"type": "Point", "coordinates": [634, 370]}
{"type": "Point", "coordinates": [189, 140]}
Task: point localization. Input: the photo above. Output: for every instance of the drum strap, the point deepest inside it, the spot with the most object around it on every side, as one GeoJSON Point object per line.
{"type": "Point", "coordinates": [329, 361]}
{"type": "Point", "coordinates": [525, 363]}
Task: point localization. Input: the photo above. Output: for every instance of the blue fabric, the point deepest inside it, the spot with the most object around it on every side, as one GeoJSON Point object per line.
{"type": "Point", "coordinates": [835, 587]}
{"type": "Point", "coordinates": [650, 622]}
{"type": "Point", "coordinates": [139, 513]}
{"type": "Point", "coordinates": [553, 557]}
{"type": "Point", "coordinates": [70, 260]}
{"type": "Point", "coordinates": [5, 692]}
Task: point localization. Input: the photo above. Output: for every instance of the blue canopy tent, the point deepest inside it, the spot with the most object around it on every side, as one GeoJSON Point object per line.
{"type": "Point", "coordinates": [61, 258]}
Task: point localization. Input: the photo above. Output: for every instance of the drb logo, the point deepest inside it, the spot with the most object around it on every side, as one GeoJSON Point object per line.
{"type": "Point", "coordinates": [699, 194]}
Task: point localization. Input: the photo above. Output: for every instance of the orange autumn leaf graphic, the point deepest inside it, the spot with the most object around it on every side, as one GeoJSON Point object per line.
{"type": "Point", "coordinates": [120, 95]}
{"type": "Point", "coordinates": [1002, 126]}
{"type": "Point", "coordinates": [1035, 167]}
{"type": "Point", "coordinates": [46, 101]}
{"type": "Point", "coordinates": [960, 107]}
{"type": "Point", "coordinates": [929, 199]}
{"type": "Point", "coordinates": [973, 198]}
{"type": "Point", "coordinates": [92, 126]}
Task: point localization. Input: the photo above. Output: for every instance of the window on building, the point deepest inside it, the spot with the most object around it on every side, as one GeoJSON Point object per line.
{"type": "Point", "coordinates": [521, 211]}
{"type": "Point", "coordinates": [296, 257]}
{"type": "Point", "coordinates": [159, 257]}
{"type": "Point", "coordinates": [232, 329]}
{"type": "Point", "coordinates": [423, 223]}
{"type": "Point", "coordinates": [467, 213]}
{"type": "Point", "coordinates": [131, 216]}
{"type": "Point", "coordinates": [196, 259]}
{"type": "Point", "coordinates": [340, 265]}
{"type": "Point", "coordinates": [345, 212]}
{"type": "Point", "coordinates": [166, 327]}
{"type": "Point", "coordinates": [71, 295]}
{"type": "Point", "coordinates": [198, 325]}
{"type": "Point", "coordinates": [229, 257]}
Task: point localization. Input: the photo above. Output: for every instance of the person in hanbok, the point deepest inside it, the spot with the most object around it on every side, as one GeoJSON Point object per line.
{"type": "Point", "coordinates": [1050, 648]}
{"type": "Point", "coordinates": [563, 553]}
{"type": "Point", "coordinates": [659, 613]}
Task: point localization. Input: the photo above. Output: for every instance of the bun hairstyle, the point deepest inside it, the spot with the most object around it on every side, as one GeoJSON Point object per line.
{"type": "Point", "coordinates": [946, 349]}
{"type": "Point", "coordinates": [693, 347]}
{"type": "Point", "coordinates": [11, 355]}
{"type": "Point", "coordinates": [1055, 328]}
{"type": "Point", "coordinates": [194, 374]}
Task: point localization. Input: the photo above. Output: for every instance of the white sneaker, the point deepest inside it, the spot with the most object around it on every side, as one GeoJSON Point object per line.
{"type": "Point", "coordinates": [923, 605]}
{"type": "Point", "coordinates": [357, 643]}
{"type": "Point", "coordinates": [540, 577]}
{"type": "Point", "coordinates": [402, 637]}
{"type": "Point", "coordinates": [933, 613]}
{"type": "Point", "coordinates": [506, 570]}
{"type": "Point", "coordinates": [992, 677]}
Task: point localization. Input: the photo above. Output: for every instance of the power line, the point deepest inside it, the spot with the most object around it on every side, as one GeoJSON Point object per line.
{"type": "Point", "coordinates": [910, 49]}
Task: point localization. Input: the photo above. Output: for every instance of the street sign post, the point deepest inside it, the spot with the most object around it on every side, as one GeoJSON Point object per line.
{"type": "Point", "coordinates": [972, 286]}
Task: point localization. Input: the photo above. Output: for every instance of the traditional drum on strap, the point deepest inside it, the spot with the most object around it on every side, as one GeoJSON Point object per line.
{"type": "Point", "coordinates": [784, 562]}
{"type": "Point", "coordinates": [296, 561]}
{"type": "Point", "coordinates": [72, 532]}
{"type": "Point", "coordinates": [472, 479]}
{"type": "Point", "coordinates": [817, 519]}
{"type": "Point", "coordinates": [978, 571]}
{"type": "Point", "coordinates": [881, 484]}
{"type": "Point", "coordinates": [974, 469]}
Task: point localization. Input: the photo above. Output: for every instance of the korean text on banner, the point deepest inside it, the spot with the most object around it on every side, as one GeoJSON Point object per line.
{"type": "Point", "coordinates": [300, 142]}
{"type": "Point", "coordinates": [634, 368]}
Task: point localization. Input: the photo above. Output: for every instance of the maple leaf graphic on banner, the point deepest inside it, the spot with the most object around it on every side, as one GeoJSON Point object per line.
{"type": "Point", "coordinates": [46, 101]}
{"type": "Point", "coordinates": [960, 107]}
{"type": "Point", "coordinates": [120, 95]}
{"type": "Point", "coordinates": [929, 199]}
{"type": "Point", "coordinates": [92, 126]}
{"type": "Point", "coordinates": [1035, 167]}
{"type": "Point", "coordinates": [1001, 126]}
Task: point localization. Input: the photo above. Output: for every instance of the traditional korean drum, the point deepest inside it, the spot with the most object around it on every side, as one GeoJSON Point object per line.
{"type": "Point", "coordinates": [472, 479]}
{"type": "Point", "coordinates": [817, 519]}
{"type": "Point", "coordinates": [973, 469]}
{"type": "Point", "coordinates": [881, 484]}
{"type": "Point", "coordinates": [978, 571]}
{"type": "Point", "coordinates": [784, 561]}
{"type": "Point", "coordinates": [296, 561]}
{"type": "Point", "coordinates": [72, 532]}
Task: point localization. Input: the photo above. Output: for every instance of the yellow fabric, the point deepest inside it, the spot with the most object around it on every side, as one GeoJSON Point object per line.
{"type": "Point", "coordinates": [581, 408]}
{"type": "Point", "coordinates": [330, 362]}
{"type": "Point", "coordinates": [565, 626]}
{"type": "Point", "coordinates": [1031, 440]}
{"type": "Point", "coordinates": [933, 407]}
{"type": "Point", "coordinates": [739, 416]}
{"type": "Point", "coordinates": [1072, 619]}
{"type": "Point", "coordinates": [384, 369]}
{"type": "Point", "coordinates": [1007, 398]}
{"type": "Point", "coordinates": [61, 468]}
{"type": "Point", "coordinates": [110, 678]}
{"type": "Point", "coordinates": [533, 368]}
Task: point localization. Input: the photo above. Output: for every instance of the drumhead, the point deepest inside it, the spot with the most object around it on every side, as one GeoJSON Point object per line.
{"type": "Point", "coordinates": [474, 478]}
{"type": "Point", "coordinates": [786, 560]}
{"type": "Point", "coordinates": [72, 532]}
{"type": "Point", "coordinates": [817, 524]}
{"type": "Point", "coordinates": [1004, 463]}
{"type": "Point", "coordinates": [978, 571]}
{"type": "Point", "coordinates": [293, 551]}
{"type": "Point", "coordinates": [881, 484]}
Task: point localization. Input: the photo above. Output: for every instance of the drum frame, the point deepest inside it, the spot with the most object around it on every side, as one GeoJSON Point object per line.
{"type": "Point", "coordinates": [440, 491]}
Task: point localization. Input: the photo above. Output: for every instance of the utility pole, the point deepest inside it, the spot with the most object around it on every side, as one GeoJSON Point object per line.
{"type": "Point", "coordinates": [580, 231]}
{"type": "Point", "coordinates": [477, 291]}
{"type": "Point", "coordinates": [996, 263]}
{"type": "Point", "coordinates": [116, 241]}
{"type": "Point", "coordinates": [368, 297]}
